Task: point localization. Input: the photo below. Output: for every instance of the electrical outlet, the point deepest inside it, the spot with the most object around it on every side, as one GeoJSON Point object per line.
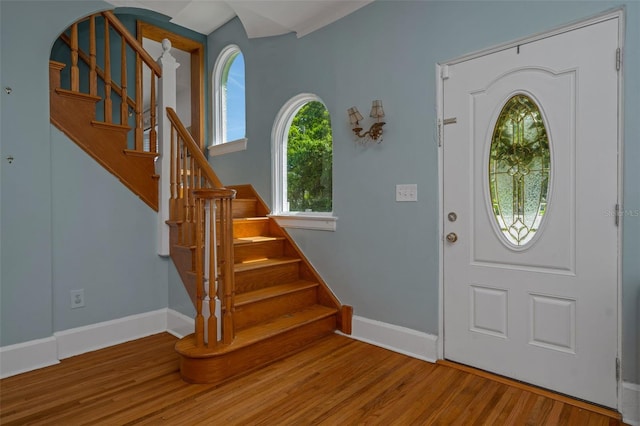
{"type": "Point", "coordinates": [408, 192]}
{"type": "Point", "coordinates": [77, 298]}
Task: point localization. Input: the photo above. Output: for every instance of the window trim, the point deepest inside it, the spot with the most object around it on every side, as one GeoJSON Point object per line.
{"type": "Point", "coordinates": [222, 65]}
{"type": "Point", "coordinates": [279, 134]}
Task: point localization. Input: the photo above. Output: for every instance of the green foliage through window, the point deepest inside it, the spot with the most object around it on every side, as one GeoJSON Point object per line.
{"type": "Point", "coordinates": [310, 160]}
{"type": "Point", "coordinates": [519, 168]}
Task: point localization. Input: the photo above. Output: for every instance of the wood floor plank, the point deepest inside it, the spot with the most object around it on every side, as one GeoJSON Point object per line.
{"type": "Point", "coordinates": [336, 381]}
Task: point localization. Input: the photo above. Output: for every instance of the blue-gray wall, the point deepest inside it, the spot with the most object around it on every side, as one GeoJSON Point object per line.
{"type": "Point", "coordinates": [65, 223]}
{"type": "Point", "coordinates": [387, 269]}
{"type": "Point", "coordinates": [383, 258]}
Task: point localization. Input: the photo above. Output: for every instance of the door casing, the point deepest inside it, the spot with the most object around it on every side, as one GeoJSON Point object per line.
{"type": "Point", "coordinates": [441, 72]}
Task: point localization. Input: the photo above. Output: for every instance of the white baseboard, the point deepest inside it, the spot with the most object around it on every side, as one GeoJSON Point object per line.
{"type": "Point", "coordinates": [92, 337]}
{"type": "Point", "coordinates": [27, 356]}
{"type": "Point", "coordinates": [395, 338]}
{"type": "Point", "coordinates": [631, 403]}
{"type": "Point", "coordinates": [179, 324]}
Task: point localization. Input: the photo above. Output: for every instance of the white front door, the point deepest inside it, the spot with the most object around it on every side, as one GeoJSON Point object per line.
{"type": "Point", "coordinates": [530, 185]}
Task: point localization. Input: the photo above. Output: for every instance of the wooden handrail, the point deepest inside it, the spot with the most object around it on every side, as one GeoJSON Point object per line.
{"type": "Point", "coordinates": [132, 41]}
{"type": "Point", "coordinates": [193, 148]}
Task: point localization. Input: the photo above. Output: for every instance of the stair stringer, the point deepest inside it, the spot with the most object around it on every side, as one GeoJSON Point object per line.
{"type": "Point", "coordinates": [75, 115]}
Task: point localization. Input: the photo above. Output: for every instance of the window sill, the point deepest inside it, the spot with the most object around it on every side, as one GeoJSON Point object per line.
{"type": "Point", "coordinates": [228, 147]}
{"type": "Point", "coordinates": [321, 222]}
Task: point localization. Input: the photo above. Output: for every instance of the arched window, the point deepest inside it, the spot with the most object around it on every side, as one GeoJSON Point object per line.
{"type": "Point", "coordinates": [229, 111]}
{"type": "Point", "coordinates": [302, 145]}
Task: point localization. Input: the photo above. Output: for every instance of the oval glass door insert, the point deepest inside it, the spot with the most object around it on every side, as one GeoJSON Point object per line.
{"type": "Point", "coordinates": [519, 165]}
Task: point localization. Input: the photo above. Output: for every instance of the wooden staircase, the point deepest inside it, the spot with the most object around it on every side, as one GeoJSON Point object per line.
{"type": "Point", "coordinates": [270, 300]}
{"type": "Point", "coordinates": [281, 303]}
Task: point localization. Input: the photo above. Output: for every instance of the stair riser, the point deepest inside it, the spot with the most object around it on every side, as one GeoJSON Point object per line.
{"type": "Point", "coordinates": [219, 368]}
{"type": "Point", "coordinates": [261, 250]}
{"type": "Point", "coordinates": [250, 228]}
{"type": "Point", "coordinates": [243, 208]}
{"type": "Point", "coordinates": [265, 277]}
{"type": "Point", "coordinates": [256, 312]}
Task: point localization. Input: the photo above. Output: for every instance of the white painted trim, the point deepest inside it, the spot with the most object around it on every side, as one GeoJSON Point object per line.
{"type": "Point", "coordinates": [35, 354]}
{"type": "Point", "coordinates": [306, 221]}
{"type": "Point", "coordinates": [179, 325]}
{"type": "Point", "coordinates": [27, 356]}
{"type": "Point", "coordinates": [279, 137]}
{"type": "Point", "coordinates": [439, 137]}
{"type": "Point", "coordinates": [406, 341]}
{"type": "Point", "coordinates": [89, 338]}
{"type": "Point", "coordinates": [166, 98]}
{"type": "Point", "coordinates": [219, 95]}
{"type": "Point", "coordinates": [630, 403]}
{"type": "Point", "coordinates": [228, 147]}
{"type": "Point", "coordinates": [621, 42]}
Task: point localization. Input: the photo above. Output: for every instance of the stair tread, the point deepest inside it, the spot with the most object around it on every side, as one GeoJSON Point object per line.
{"type": "Point", "coordinates": [183, 247]}
{"type": "Point", "coordinates": [251, 219]}
{"type": "Point", "coordinates": [242, 299]}
{"type": "Point", "coordinates": [111, 126]}
{"type": "Point", "coordinates": [259, 332]}
{"type": "Point", "coordinates": [78, 95]}
{"type": "Point", "coordinates": [256, 239]}
{"type": "Point", "coordinates": [262, 263]}
{"type": "Point", "coordinates": [143, 154]}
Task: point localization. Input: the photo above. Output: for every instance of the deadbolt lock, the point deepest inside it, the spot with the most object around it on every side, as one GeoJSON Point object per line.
{"type": "Point", "coordinates": [452, 216]}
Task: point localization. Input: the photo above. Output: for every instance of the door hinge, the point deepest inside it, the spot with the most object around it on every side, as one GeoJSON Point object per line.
{"type": "Point", "coordinates": [617, 214]}
{"type": "Point", "coordinates": [439, 132]}
{"type": "Point", "coordinates": [617, 369]}
{"type": "Point", "coordinates": [444, 72]}
{"type": "Point", "coordinates": [618, 59]}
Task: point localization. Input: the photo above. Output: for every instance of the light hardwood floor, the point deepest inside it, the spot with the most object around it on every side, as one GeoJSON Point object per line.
{"type": "Point", "coordinates": [337, 381]}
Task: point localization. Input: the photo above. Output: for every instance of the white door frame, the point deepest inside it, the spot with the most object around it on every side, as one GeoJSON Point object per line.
{"type": "Point", "coordinates": [441, 71]}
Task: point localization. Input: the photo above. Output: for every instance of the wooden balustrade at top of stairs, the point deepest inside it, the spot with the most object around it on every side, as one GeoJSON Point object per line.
{"type": "Point", "coordinates": [281, 303]}
{"type": "Point", "coordinates": [73, 104]}
{"type": "Point", "coordinates": [74, 114]}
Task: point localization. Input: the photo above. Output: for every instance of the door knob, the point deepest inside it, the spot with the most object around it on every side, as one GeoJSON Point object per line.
{"type": "Point", "coordinates": [452, 237]}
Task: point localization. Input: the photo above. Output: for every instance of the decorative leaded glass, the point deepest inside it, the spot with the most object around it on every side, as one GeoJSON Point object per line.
{"type": "Point", "coordinates": [519, 170]}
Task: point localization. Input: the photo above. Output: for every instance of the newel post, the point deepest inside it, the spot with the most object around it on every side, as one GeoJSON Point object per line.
{"type": "Point", "coordinates": [166, 98]}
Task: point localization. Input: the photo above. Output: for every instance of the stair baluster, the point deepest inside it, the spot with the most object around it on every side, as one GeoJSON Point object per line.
{"type": "Point", "coordinates": [203, 211]}
{"type": "Point", "coordinates": [93, 75]}
{"type": "Point", "coordinates": [75, 72]}
{"type": "Point", "coordinates": [124, 110]}
{"type": "Point", "coordinates": [108, 105]}
{"type": "Point", "coordinates": [214, 206]}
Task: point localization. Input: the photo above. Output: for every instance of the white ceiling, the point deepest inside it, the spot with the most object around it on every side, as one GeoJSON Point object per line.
{"type": "Point", "coordinates": [260, 18]}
